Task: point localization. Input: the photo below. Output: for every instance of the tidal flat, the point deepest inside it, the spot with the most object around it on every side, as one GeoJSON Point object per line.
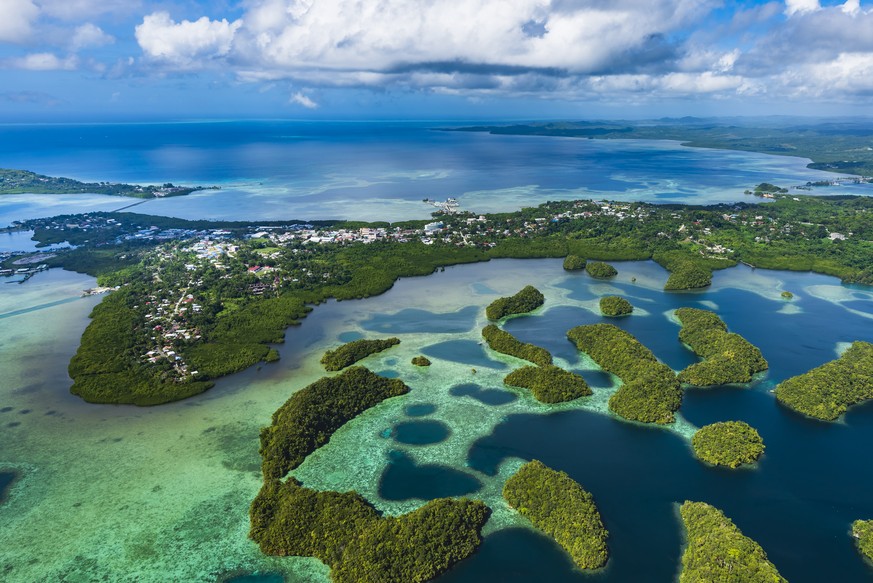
{"type": "Point", "coordinates": [162, 493]}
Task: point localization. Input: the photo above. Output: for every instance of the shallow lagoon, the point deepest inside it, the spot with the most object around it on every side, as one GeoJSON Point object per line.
{"type": "Point", "coordinates": [371, 171]}
{"type": "Point", "coordinates": [162, 493]}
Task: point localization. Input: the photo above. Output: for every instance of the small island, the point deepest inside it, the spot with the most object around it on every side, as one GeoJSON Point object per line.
{"type": "Point", "coordinates": [862, 532]}
{"type": "Point", "coordinates": [650, 393]}
{"type": "Point", "coordinates": [526, 300]}
{"type": "Point", "coordinates": [345, 532]}
{"type": "Point", "coordinates": [574, 263]}
{"type": "Point", "coordinates": [728, 358]}
{"type": "Point", "coordinates": [729, 444]}
{"type": "Point", "coordinates": [716, 550]}
{"type": "Point", "coordinates": [557, 505]}
{"type": "Point", "coordinates": [826, 392]}
{"type": "Point", "coordinates": [600, 270]}
{"type": "Point", "coordinates": [351, 352]}
{"type": "Point", "coordinates": [506, 343]}
{"type": "Point", "coordinates": [25, 182]}
{"type": "Point", "coordinates": [421, 361]}
{"type": "Point", "coordinates": [307, 420]}
{"type": "Point", "coordinates": [614, 306]}
{"type": "Point", "coordinates": [787, 295]}
{"type": "Point", "coordinates": [549, 384]}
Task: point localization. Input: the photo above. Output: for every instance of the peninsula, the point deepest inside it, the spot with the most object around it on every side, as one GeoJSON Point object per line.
{"type": "Point", "coordinates": [25, 182]}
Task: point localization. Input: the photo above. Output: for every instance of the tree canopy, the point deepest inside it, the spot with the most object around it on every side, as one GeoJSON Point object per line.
{"type": "Point", "coordinates": [729, 443]}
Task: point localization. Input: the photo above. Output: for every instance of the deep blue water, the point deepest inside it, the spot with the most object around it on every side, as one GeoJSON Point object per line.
{"type": "Point", "coordinates": [284, 169]}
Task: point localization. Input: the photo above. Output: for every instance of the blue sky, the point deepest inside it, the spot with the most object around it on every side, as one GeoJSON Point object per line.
{"type": "Point", "coordinates": [421, 59]}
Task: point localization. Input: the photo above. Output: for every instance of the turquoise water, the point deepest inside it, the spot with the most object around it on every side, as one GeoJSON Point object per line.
{"type": "Point", "coordinates": [162, 493]}
{"type": "Point", "coordinates": [372, 171]}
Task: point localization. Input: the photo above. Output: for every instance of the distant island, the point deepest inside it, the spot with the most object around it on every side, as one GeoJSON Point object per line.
{"type": "Point", "coordinates": [25, 182]}
{"type": "Point", "coordinates": [831, 147]}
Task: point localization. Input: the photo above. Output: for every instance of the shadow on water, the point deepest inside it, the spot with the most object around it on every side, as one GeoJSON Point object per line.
{"type": "Point", "coordinates": [6, 480]}
{"type": "Point", "coordinates": [484, 396]}
{"type": "Point", "coordinates": [403, 479]}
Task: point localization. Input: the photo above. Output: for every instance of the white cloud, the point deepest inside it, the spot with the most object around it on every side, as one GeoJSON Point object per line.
{"type": "Point", "coordinates": [801, 6]}
{"type": "Point", "coordinates": [186, 44]}
{"type": "Point", "coordinates": [851, 7]}
{"type": "Point", "coordinates": [81, 9]}
{"type": "Point", "coordinates": [43, 62]}
{"type": "Point", "coordinates": [89, 35]}
{"type": "Point", "coordinates": [17, 19]}
{"type": "Point", "coordinates": [301, 99]}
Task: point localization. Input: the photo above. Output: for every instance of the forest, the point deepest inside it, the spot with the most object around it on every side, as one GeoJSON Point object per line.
{"type": "Point", "coordinates": [614, 306]}
{"type": "Point", "coordinates": [728, 443]}
{"type": "Point", "coordinates": [526, 300]}
{"type": "Point", "coordinates": [728, 357]}
{"type": "Point", "coordinates": [557, 505]}
{"type": "Point", "coordinates": [650, 392]}
{"type": "Point", "coordinates": [600, 270]}
{"type": "Point", "coordinates": [826, 392]}
{"type": "Point", "coordinates": [549, 384]}
{"type": "Point", "coordinates": [716, 550]}
{"type": "Point", "coordinates": [307, 420]}
{"type": "Point", "coordinates": [505, 343]}
{"type": "Point", "coordinates": [862, 531]}
{"type": "Point", "coordinates": [351, 352]}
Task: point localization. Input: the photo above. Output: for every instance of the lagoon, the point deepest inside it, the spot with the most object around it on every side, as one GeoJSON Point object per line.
{"type": "Point", "coordinates": [275, 169]}
{"type": "Point", "coordinates": [162, 493]}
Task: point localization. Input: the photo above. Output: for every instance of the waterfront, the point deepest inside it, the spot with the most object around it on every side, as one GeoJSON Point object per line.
{"type": "Point", "coordinates": [162, 493]}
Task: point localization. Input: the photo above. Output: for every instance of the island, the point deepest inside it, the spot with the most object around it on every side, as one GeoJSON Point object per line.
{"type": "Point", "coordinates": [614, 306]}
{"type": "Point", "coordinates": [600, 270]}
{"type": "Point", "coordinates": [26, 182]}
{"type": "Point", "coordinates": [574, 263]}
{"type": "Point", "coordinates": [862, 532]}
{"type": "Point", "coordinates": [346, 533]}
{"type": "Point", "coordinates": [650, 392]}
{"type": "Point", "coordinates": [196, 300]}
{"type": "Point", "coordinates": [549, 384]}
{"type": "Point", "coordinates": [716, 550]}
{"type": "Point", "coordinates": [307, 420]}
{"type": "Point", "coordinates": [526, 300]}
{"type": "Point", "coordinates": [826, 392]}
{"type": "Point", "coordinates": [351, 352]}
{"type": "Point", "coordinates": [728, 357]}
{"type": "Point", "coordinates": [728, 443]}
{"type": "Point", "coordinates": [505, 343]}
{"type": "Point", "coordinates": [421, 360]}
{"type": "Point", "coordinates": [557, 505]}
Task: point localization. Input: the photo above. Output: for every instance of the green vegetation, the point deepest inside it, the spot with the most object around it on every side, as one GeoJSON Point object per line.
{"type": "Point", "coordinates": [827, 391]}
{"type": "Point", "coordinates": [351, 352]}
{"type": "Point", "coordinates": [615, 306]}
{"type": "Point", "coordinates": [717, 551]}
{"type": "Point", "coordinates": [24, 182]}
{"type": "Point", "coordinates": [687, 269]}
{"type": "Point", "coordinates": [345, 532]}
{"type": "Point", "coordinates": [600, 270]}
{"type": "Point", "coordinates": [574, 263]}
{"type": "Point", "coordinates": [729, 358]}
{"type": "Point", "coordinates": [526, 300]}
{"type": "Point", "coordinates": [561, 508]}
{"type": "Point", "coordinates": [730, 443]}
{"type": "Point", "coordinates": [549, 384]}
{"type": "Point", "coordinates": [421, 361]}
{"type": "Point", "coordinates": [787, 295]}
{"type": "Point", "coordinates": [766, 187]}
{"type": "Point", "coordinates": [862, 531]}
{"type": "Point", "coordinates": [650, 392]}
{"type": "Point", "coordinates": [506, 343]}
{"type": "Point", "coordinates": [833, 146]}
{"type": "Point", "coordinates": [307, 420]}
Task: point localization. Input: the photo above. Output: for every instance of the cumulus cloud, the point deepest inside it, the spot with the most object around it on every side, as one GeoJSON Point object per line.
{"type": "Point", "coordinates": [801, 6]}
{"type": "Point", "coordinates": [43, 62]}
{"type": "Point", "coordinates": [301, 99]}
{"type": "Point", "coordinates": [89, 35]}
{"type": "Point", "coordinates": [17, 19]}
{"type": "Point", "coordinates": [186, 44]}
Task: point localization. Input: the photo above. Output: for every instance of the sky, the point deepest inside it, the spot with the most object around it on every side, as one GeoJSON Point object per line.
{"type": "Point", "coordinates": [432, 59]}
